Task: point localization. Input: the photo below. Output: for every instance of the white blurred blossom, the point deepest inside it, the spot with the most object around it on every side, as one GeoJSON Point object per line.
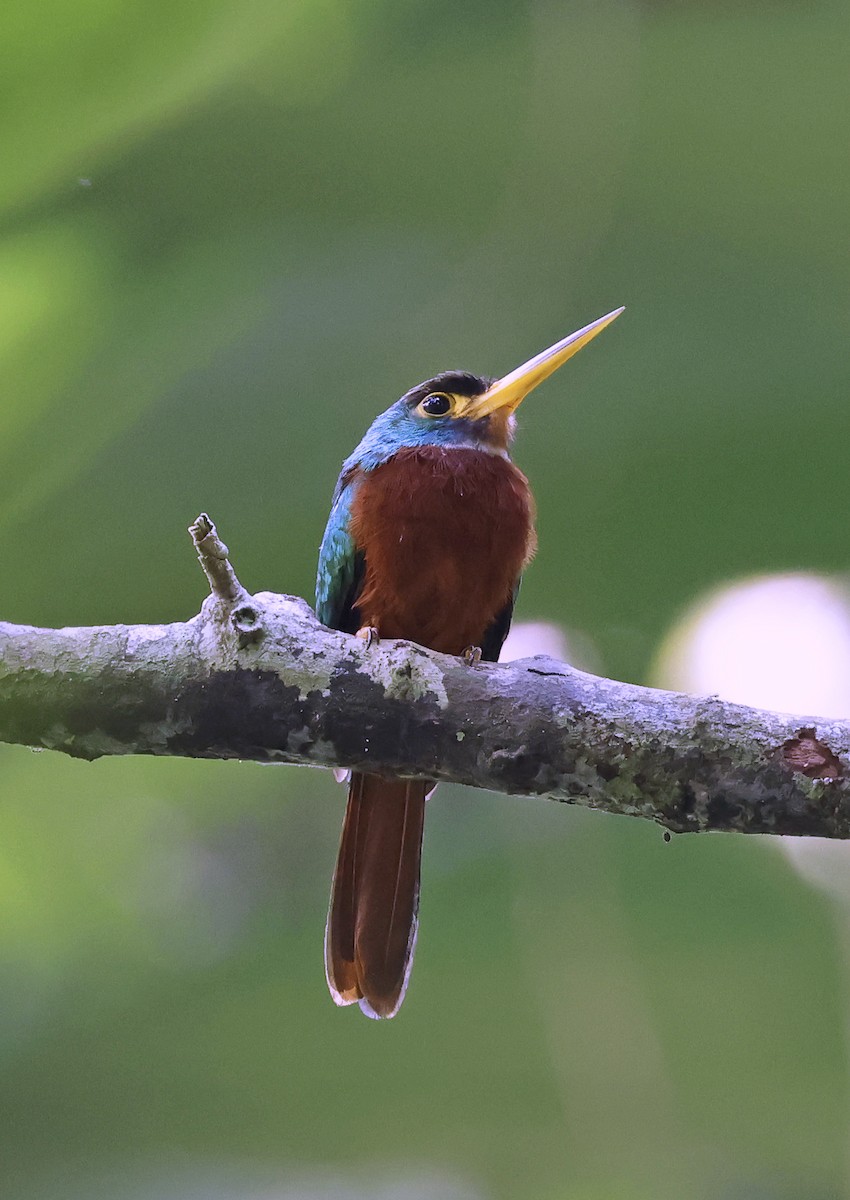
{"type": "Point", "coordinates": [528, 638]}
{"type": "Point", "coordinates": [772, 641]}
{"type": "Point", "coordinates": [780, 642]}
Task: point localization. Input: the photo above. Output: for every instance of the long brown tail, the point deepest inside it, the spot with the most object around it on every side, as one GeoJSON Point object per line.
{"type": "Point", "coordinates": [372, 919]}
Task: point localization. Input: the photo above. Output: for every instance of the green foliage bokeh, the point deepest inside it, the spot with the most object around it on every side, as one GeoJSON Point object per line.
{"type": "Point", "coordinates": [231, 233]}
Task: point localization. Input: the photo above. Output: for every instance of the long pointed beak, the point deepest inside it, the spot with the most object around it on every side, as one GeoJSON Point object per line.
{"type": "Point", "coordinates": [509, 392]}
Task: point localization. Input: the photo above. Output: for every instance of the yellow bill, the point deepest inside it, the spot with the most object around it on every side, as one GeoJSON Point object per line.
{"type": "Point", "coordinates": [509, 392]}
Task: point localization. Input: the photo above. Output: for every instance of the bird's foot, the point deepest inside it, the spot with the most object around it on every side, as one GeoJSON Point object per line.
{"type": "Point", "coordinates": [472, 656]}
{"type": "Point", "coordinates": [369, 635]}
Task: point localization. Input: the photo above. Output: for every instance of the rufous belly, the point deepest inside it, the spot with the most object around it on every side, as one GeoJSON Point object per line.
{"type": "Point", "coordinates": [445, 534]}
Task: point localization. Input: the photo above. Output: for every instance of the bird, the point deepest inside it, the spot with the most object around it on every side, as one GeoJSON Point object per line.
{"type": "Point", "coordinates": [430, 529]}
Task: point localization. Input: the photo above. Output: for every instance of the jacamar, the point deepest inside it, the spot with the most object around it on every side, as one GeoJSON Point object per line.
{"type": "Point", "coordinates": [430, 528]}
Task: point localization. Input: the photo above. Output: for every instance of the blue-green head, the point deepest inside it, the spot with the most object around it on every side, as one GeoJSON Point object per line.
{"type": "Point", "coordinates": [457, 409]}
{"type": "Point", "coordinates": [437, 412]}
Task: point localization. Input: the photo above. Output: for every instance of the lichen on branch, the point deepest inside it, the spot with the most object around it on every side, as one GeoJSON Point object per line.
{"type": "Point", "coordinates": [257, 677]}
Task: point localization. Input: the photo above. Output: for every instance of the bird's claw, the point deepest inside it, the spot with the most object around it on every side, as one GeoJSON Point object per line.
{"type": "Point", "coordinates": [472, 656]}
{"type": "Point", "coordinates": [368, 634]}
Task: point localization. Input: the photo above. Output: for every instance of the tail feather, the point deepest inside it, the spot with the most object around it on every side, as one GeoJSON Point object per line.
{"type": "Point", "coordinates": [339, 931]}
{"type": "Point", "coordinates": [372, 920]}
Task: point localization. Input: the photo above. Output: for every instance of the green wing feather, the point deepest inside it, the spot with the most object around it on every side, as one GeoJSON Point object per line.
{"type": "Point", "coordinates": [341, 564]}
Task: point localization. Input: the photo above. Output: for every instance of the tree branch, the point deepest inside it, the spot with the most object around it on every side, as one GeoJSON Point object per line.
{"type": "Point", "coordinates": [257, 677]}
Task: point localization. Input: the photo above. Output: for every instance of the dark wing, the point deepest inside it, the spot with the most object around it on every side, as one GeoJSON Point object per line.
{"type": "Point", "coordinates": [491, 643]}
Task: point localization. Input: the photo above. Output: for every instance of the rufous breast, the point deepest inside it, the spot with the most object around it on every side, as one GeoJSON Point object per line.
{"type": "Point", "coordinates": [446, 533]}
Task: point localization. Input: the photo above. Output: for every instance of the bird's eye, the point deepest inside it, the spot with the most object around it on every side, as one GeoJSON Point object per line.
{"type": "Point", "coordinates": [436, 405]}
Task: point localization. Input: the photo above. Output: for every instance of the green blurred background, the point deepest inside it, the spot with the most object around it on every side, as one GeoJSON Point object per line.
{"type": "Point", "coordinates": [231, 233]}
